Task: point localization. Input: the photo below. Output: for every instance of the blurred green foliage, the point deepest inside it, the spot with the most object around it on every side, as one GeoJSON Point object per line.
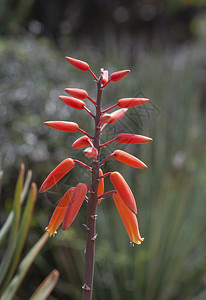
{"type": "Point", "coordinates": [12, 269]}
{"type": "Point", "coordinates": [170, 263]}
{"type": "Point", "coordinates": [162, 22]}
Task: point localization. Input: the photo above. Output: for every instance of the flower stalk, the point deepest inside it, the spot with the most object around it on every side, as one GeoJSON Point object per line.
{"type": "Point", "coordinates": [92, 205]}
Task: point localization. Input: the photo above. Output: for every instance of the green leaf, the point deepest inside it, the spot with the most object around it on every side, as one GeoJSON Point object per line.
{"type": "Point", "coordinates": [14, 229]}
{"type": "Point", "coordinates": [46, 287]}
{"type": "Point", "coordinates": [23, 268]}
{"type": "Point", "coordinates": [24, 227]}
{"type": "Point", "coordinates": [26, 186]}
{"type": "Point", "coordinates": [5, 228]}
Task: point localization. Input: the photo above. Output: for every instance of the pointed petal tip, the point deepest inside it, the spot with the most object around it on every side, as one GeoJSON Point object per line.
{"type": "Point", "coordinates": [40, 190]}
{"type": "Point", "coordinates": [68, 58]}
{"type": "Point", "coordinates": [134, 211]}
{"type": "Point", "coordinates": [64, 227]}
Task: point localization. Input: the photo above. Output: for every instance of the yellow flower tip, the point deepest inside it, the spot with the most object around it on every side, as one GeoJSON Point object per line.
{"type": "Point", "coordinates": [51, 231]}
{"type": "Point", "coordinates": [135, 242]}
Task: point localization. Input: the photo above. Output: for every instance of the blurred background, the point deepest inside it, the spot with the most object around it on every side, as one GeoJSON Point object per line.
{"type": "Point", "coordinates": [163, 43]}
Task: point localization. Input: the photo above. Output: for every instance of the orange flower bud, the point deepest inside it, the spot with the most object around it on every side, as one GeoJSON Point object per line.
{"type": "Point", "coordinates": [58, 214]}
{"type": "Point", "coordinates": [82, 65]}
{"type": "Point", "coordinates": [81, 142]}
{"type": "Point", "coordinates": [131, 102]}
{"type": "Point", "coordinates": [104, 76]}
{"type": "Point", "coordinates": [128, 159]}
{"type": "Point", "coordinates": [74, 205]}
{"type": "Point", "coordinates": [124, 190]}
{"type": "Point", "coordinates": [78, 93]}
{"type": "Point", "coordinates": [117, 115]}
{"type": "Point", "coordinates": [129, 220]}
{"type": "Point", "coordinates": [91, 152]}
{"type": "Point", "coordinates": [62, 169]}
{"type": "Point", "coordinates": [101, 185]}
{"type": "Point", "coordinates": [63, 125]}
{"type": "Point", "coordinates": [119, 75]}
{"type": "Point", "coordinates": [105, 118]}
{"type": "Point", "coordinates": [73, 102]}
{"type": "Point", "coordinates": [127, 138]}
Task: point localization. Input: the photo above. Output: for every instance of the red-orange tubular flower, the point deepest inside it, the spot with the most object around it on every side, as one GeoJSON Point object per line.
{"type": "Point", "coordinates": [58, 214]}
{"type": "Point", "coordinates": [62, 169]}
{"type": "Point", "coordinates": [78, 93]}
{"type": "Point", "coordinates": [63, 125]}
{"type": "Point", "coordinates": [82, 65]}
{"type": "Point", "coordinates": [74, 205]}
{"type": "Point", "coordinates": [117, 115]}
{"type": "Point", "coordinates": [124, 190]}
{"type": "Point", "coordinates": [73, 102]}
{"type": "Point", "coordinates": [91, 152]}
{"type": "Point", "coordinates": [128, 159]}
{"type": "Point", "coordinates": [129, 220]}
{"type": "Point", "coordinates": [128, 138]}
{"type": "Point", "coordinates": [81, 142]}
{"type": "Point", "coordinates": [116, 76]}
{"type": "Point", "coordinates": [131, 102]}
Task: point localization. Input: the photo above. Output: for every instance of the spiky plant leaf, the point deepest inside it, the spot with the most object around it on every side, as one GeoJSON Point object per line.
{"type": "Point", "coordinates": [14, 228]}
{"type": "Point", "coordinates": [23, 269]}
{"type": "Point", "coordinates": [6, 226]}
{"type": "Point", "coordinates": [23, 230]}
{"type": "Point", "coordinates": [46, 287]}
